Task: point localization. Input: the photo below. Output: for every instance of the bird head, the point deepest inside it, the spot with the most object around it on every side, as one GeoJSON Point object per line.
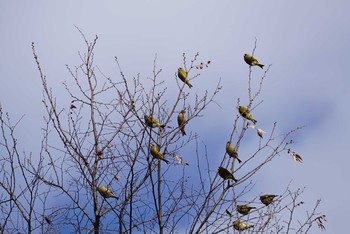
{"type": "Point", "coordinates": [243, 109]}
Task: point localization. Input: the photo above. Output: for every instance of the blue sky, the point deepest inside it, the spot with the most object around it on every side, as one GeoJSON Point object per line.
{"type": "Point", "coordinates": [308, 84]}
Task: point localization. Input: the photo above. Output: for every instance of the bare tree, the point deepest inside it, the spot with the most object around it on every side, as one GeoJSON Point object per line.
{"type": "Point", "coordinates": [113, 158]}
{"type": "Point", "coordinates": [21, 194]}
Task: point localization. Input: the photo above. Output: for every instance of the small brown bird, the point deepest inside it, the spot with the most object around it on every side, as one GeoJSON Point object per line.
{"type": "Point", "coordinates": [244, 209]}
{"type": "Point", "coordinates": [296, 157]}
{"type": "Point", "coordinates": [244, 112]}
{"type": "Point", "coordinates": [157, 154]}
{"type": "Point", "coordinates": [181, 120]}
{"type": "Point", "coordinates": [267, 199]}
{"type": "Point", "coordinates": [105, 192]}
{"type": "Point", "coordinates": [251, 61]}
{"type": "Point", "coordinates": [232, 152]}
{"type": "Point", "coordinates": [182, 74]}
{"type": "Point", "coordinates": [241, 226]}
{"type": "Point", "coordinates": [226, 174]}
{"type": "Point", "coordinates": [152, 122]}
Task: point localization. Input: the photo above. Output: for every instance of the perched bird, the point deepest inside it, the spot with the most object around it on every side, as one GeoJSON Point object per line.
{"type": "Point", "coordinates": [296, 157]}
{"type": "Point", "coordinates": [226, 174]}
{"type": "Point", "coordinates": [260, 132]}
{"type": "Point", "coordinates": [182, 74]}
{"type": "Point", "coordinates": [244, 112]}
{"type": "Point", "coordinates": [181, 120]}
{"type": "Point", "coordinates": [157, 154]}
{"type": "Point", "coordinates": [320, 221]}
{"type": "Point", "coordinates": [241, 226]}
{"type": "Point", "coordinates": [267, 199]}
{"type": "Point", "coordinates": [105, 192]}
{"type": "Point", "coordinates": [244, 209]}
{"type": "Point", "coordinates": [152, 122]}
{"type": "Point", "coordinates": [252, 61]}
{"type": "Point", "coordinates": [232, 152]}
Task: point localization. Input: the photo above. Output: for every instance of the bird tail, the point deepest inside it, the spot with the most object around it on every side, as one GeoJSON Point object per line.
{"type": "Point", "coordinates": [260, 65]}
{"type": "Point", "coordinates": [240, 161]}
{"type": "Point", "coordinates": [254, 121]}
{"type": "Point", "coordinates": [162, 126]}
{"type": "Point", "coordinates": [189, 85]}
{"type": "Point", "coordinates": [182, 129]}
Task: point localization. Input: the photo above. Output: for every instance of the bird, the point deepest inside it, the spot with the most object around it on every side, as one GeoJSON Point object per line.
{"type": "Point", "coordinates": [244, 209]}
{"type": "Point", "coordinates": [232, 152]}
{"type": "Point", "coordinates": [267, 199]}
{"type": "Point", "coordinates": [296, 157]}
{"type": "Point", "coordinates": [241, 226]}
{"type": "Point", "coordinates": [244, 112]}
{"type": "Point", "coordinates": [157, 154]}
{"type": "Point", "coordinates": [105, 192]}
{"type": "Point", "coordinates": [320, 221]}
{"type": "Point", "coordinates": [251, 61]}
{"type": "Point", "coordinates": [226, 174]}
{"type": "Point", "coordinates": [181, 120]}
{"type": "Point", "coordinates": [182, 74]}
{"type": "Point", "coordinates": [152, 122]}
{"type": "Point", "coordinates": [260, 132]}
